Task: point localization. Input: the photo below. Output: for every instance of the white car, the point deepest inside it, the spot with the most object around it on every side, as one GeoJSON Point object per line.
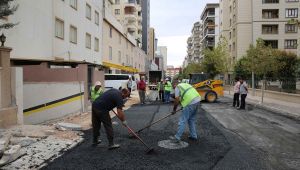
{"type": "Point", "coordinates": [118, 81]}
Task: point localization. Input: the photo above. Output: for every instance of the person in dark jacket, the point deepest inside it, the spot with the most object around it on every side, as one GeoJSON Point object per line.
{"type": "Point", "coordinates": [100, 114]}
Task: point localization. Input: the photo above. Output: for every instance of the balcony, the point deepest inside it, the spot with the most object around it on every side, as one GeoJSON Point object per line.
{"type": "Point", "coordinates": [131, 29]}
{"type": "Point", "coordinates": [270, 13]}
{"type": "Point", "coordinates": [131, 3]}
{"type": "Point", "coordinates": [130, 17]}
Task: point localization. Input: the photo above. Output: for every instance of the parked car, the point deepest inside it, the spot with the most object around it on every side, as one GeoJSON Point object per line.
{"type": "Point", "coordinates": [119, 81]}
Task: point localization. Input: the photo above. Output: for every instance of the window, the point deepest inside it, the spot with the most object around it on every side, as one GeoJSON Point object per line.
{"type": "Point", "coordinates": [96, 18]}
{"type": "Point", "coordinates": [110, 52]}
{"type": "Point", "coordinates": [233, 32]}
{"type": "Point", "coordinates": [117, 1]}
{"type": "Point", "coordinates": [59, 28]}
{"type": "Point", "coordinates": [290, 44]}
{"type": "Point", "coordinates": [233, 46]}
{"type": "Point", "coordinates": [110, 32]}
{"type": "Point", "coordinates": [88, 40]}
{"type": "Point", "coordinates": [229, 35]}
{"type": "Point", "coordinates": [272, 43]}
{"type": "Point", "coordinates": [269, 29]}
{"type": "Point", "coordinates": [73, 34]}
{"type": "Point", "coordinates": [270, 13]}
{"type": "Point", "coordinates": [270, 1]}
{"type": "Point", "coordinates": [96, 44]}
{"type": "Point", "coordinates": [88, 12]}
{"type": "Point", "coordinates": [291, 28]}
{"type": "Point", "coordinates": [73, 4]}
{"type": "Point", "coordinates": [117, 11]}
{"type": "Point", "coordinates": [291, 13]}
{"type": "Point", "coordinates": [119, 56]}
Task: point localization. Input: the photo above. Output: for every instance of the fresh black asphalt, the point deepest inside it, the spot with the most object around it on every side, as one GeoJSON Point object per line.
{"type": "Point", "coordinates": [216, 148]}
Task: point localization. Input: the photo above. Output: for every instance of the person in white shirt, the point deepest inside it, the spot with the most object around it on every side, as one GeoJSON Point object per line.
{"type": "Point", "coordinates": [236, 96]}
{"type": "Point", "coordinates": [243, 92]}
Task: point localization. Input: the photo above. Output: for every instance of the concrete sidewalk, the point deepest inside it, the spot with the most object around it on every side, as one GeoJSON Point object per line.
{"type": "Point", "coordinates": [287, 109]}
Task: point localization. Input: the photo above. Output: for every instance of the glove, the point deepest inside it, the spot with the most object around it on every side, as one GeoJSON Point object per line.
{"type": "Point", "coordinates": [124, 123]}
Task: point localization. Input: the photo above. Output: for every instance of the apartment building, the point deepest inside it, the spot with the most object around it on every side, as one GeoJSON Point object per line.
{"type": "Point", "coordinates": [162, 51]}
{"type": "Point", "coordinates": [120, 52]}
{"type": "Point", "coordinates": [244, 21]}
{"type": "Point", "coordinates": [196, 42]}
{"type": "Point", "coordinates": [145, 25]}
{"type": "Point", "coordinates": [57, 51]}
{"type": "Point", "coordinates": [172, 71]}
{"type": "Point", "coordinates": [129, 14]}
{"type": "Point", "coordinates": [210, 26]}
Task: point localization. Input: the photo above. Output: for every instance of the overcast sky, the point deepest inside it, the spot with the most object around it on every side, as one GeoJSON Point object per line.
{"type": "Point", "coordinates": [173, 21]}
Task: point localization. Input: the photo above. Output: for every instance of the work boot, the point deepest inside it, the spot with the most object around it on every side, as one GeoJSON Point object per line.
{"type": "Point", "coordinates": [96, 142]}
{"type": "Point", "coordinates": [113, 146]}
{"type": "Point", "coordinates": [173, 139]}
{"type": "Point", "coordinates": [193, 139]}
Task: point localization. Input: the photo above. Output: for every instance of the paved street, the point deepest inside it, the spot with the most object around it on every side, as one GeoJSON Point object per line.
{"type": "Point", "coordinates": [217, 148]}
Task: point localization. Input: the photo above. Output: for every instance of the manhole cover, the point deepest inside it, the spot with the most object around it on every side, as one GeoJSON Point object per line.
{"type": "Point", "coordinates": [171, 145]}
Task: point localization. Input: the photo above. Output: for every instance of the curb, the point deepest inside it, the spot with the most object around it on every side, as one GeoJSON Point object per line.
{"type": "Point", "coordinates": [277, 111]}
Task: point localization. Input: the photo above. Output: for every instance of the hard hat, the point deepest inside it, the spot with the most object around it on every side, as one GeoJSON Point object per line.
{"type": "Point", "coordinates": [98, 83]}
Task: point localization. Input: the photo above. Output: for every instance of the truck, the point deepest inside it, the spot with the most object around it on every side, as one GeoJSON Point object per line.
{"type": "Point", "coordinates": [154, 78]}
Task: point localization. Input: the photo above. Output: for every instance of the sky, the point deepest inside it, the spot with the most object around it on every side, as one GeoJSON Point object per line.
{"type": "Point", "coordinates": [173, 21]}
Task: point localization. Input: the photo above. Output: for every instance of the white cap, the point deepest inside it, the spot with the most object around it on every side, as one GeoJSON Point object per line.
{"type": "Point", "coordinates": [98, 83]}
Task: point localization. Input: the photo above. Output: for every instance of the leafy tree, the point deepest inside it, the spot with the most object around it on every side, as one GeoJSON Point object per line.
{"type": "Point", "coordinates": [217, 60]}
{"type": "Point", "coordinates": [191, 68]}
{"type": "Point", "coordinates": [6, 9]}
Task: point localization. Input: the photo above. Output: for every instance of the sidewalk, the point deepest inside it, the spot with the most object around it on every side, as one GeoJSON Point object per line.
{"type": "Point", "coordinates": [287, 109]}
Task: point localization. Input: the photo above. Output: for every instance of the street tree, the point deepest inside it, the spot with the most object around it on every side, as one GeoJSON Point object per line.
{"type": "Point", "coordinates": [217, 60]}
{"type": "Point", "coordinates": [6, 9]}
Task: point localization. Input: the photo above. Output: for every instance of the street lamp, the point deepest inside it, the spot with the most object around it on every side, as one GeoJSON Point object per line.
{"type": "Point", "coordinates": [2, 39]}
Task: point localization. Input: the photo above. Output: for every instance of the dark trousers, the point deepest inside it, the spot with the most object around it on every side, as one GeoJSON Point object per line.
{"type": "Point", "coordinates": [129, 89]}
{"type": "Point", "coordinates": [236, 99]}
{"type": "Point", "coordinates": [161, 95]}
{"type": "Point", "coordinates": [243, 101]}
{"type": "Point", "coordinates": [99, 117]}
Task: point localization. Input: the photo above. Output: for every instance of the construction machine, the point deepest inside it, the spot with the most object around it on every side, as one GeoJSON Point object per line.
{"type": "Point", "coordinates": [210, 90]}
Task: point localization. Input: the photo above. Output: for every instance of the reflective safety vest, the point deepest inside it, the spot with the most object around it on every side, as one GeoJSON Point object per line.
{"type": "Point", "coordinates": [95, 94]}
{"type": "Point", "coordinates": [187, 93]}
{"type": "Point", "coordinates": [168, 86]}
{"type": "Point", "coordinates": [159, 84]}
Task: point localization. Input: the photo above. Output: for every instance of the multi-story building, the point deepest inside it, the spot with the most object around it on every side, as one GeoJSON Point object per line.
{"type": "Point", "coordinates": [210, 26]}
{"type": "Point", "coordinates": [129, 14]}
{"type": "Point", "coordinates": [57, 49]}
{"type": "Point", "coordinates": [172, 71]}
{"type": "Point", "coordinates": [121, 54]}
{"type": "Point", "coordinates": [245, 21]}
{"type": "Point", "coordinates": [145, 25]}
{"type": "Point", "coordinates": [196, 42]}
{"type": "Point", "coordinates": [162, 51]}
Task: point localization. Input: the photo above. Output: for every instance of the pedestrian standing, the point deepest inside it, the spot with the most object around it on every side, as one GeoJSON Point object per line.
{"type": "Point", "coordinates": [142, 90]}
{"type": "Point", "coordinates": [189, 99]}
{"type": "Point", "coordinates": [96, 91]}
{"type": "Point", "coordinates": [160, 88]}
{"type": "Point", "coordinates": [100, 114]}
{"type": "Point", "coordinates": [129, 85]}
{"type": "Point", "coordinates": [167, 90]}
{"type": "Point", "coordinates": [243, 92]}
{"type": "Point", "coordinates": [236, 96]}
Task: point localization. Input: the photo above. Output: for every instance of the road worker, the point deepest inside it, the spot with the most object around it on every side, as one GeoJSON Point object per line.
{"type": "Point", "coordinates": [189, 99]}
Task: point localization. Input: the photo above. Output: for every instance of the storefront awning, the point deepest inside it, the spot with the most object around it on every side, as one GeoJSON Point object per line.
{"type": "Point", "coordinates": [121, 67]}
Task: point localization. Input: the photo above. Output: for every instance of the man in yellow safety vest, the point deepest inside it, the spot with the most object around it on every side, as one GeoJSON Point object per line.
{"type": "Point", "coordinates": [96, 91]}
{"type": "Point", "coordinates": [189, 99]}
{"type": "Point", "coordinates": [167, 90]}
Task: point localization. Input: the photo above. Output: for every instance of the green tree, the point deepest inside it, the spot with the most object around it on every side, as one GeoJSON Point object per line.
{"type": "Point", "coordinates": [191, 68]}
{"type": "Point", "coordinates": [217, 60]}
{"type": "Point", "coordinates": [6, 9]}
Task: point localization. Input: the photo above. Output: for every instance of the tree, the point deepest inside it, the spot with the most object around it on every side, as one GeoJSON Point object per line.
{"type": "Point", "coordinates": [191, 68]}
{"type": "Point", "coordinates": [217, 60]}
{"type": "Point", "coordinates": [6, 9]}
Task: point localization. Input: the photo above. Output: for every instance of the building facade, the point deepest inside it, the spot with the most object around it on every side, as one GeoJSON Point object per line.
{"type": "Point", "coordinates": [172, 71]}
{"type": "Point", "coordinates": [145, 25]}
{"type": "Point", "coordinates": [162, 51]}
{"type": "Point", "coordinates": [243, 22]}
{"type": "Point", "coordinates": [210, 26]}
{"type": "Point", "coordinates": [129, 14]}
{"type": "Point", "coordinates": [121, 54]}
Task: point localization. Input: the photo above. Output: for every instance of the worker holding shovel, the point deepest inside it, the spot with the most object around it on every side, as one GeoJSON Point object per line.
{"type": "Point", "coordinates": [100, 114]}
{"type": "Point", "coordinates": [189, 99]}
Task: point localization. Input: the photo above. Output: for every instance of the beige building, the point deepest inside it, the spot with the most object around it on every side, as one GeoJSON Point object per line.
{"type": "Point", "coordinates": [129, 14]}
{"type": "Point", "coordinates": [210, 26]}
{"type": "Point", "coordinates": [120, 51]}
{"type": "Point", "coordinates": [196, 42]}
{"type": "Point", "coordinates": [243, 22]}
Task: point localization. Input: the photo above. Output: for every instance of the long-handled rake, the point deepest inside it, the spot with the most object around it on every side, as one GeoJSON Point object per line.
{"type": "Point", "coordinates": [149, 149]}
